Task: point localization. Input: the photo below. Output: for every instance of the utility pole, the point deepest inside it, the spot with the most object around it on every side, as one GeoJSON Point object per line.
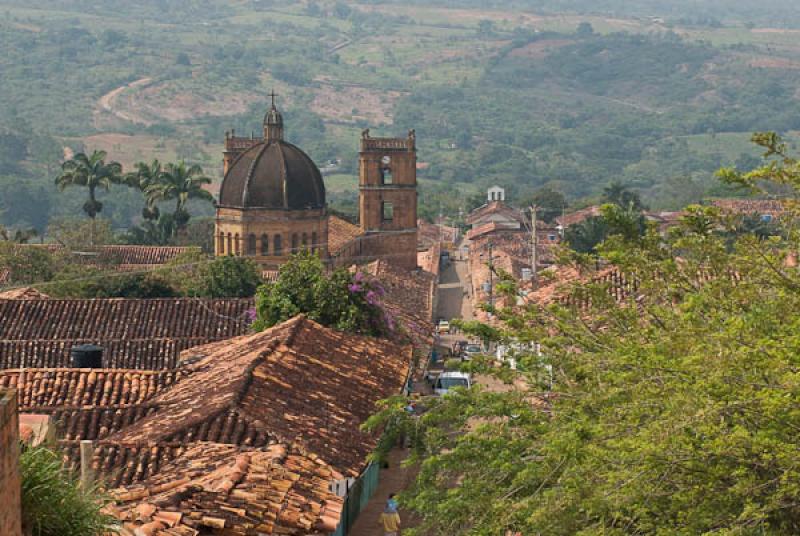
{"type": "Point", "coordinates": [534, 270]}
{"type": "Point", "coordinates": [491, 277]}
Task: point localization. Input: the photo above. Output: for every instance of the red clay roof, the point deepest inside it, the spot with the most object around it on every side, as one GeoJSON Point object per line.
{"type": "Point", "coordinates": [296, 382]}
{"type": "Point", "coordinates": [87, 403]}
{"type": "Point", "coordinates": [495, 207]}
{"type": "Point", "coordinates": [409, 298]}
{"type": "Point", "coordinates": [340, 233]}
{"type": "Point", "coordinates": [222, 489]}
{"type": "Point", "coordinates": [578, 216]}
{"type": "Point", "coordinates": [772, 207]}
{"type": "Point", "coordinates": [134, 333]}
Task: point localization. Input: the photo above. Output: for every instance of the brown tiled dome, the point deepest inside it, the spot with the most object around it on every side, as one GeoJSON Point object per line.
{"type": "Point", "coordinates": [274, 174]}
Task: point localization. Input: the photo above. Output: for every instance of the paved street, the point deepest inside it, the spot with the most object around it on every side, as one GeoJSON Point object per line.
{"type": "Point", "coordinates": [453, 301]}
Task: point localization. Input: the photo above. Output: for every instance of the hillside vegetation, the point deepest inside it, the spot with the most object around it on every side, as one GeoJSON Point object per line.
{"type": "Point", "coordinates": [560, 93]}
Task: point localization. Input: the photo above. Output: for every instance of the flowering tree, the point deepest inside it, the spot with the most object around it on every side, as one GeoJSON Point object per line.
{"type": "Point", "coordinates": [340, 299]}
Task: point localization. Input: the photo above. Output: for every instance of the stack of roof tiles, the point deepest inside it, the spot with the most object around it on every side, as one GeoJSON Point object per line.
{"type": "Point", "coordinates": [23, 293]}
{"type": "Point", "coordinates": [222, 489]}
{"type": "Point", "coordinates": [134, 333]}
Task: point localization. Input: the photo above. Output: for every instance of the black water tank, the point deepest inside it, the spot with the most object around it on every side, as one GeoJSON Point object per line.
{"type": "Point", "coordinates": [87, 356]}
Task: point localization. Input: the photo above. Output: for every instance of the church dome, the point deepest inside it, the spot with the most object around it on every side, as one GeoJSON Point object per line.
{"type": "Point", "coordinates": [273, 174]}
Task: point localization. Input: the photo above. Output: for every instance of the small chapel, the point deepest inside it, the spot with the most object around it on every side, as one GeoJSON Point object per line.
{"type": "Point", "coordinates": [272, 202]}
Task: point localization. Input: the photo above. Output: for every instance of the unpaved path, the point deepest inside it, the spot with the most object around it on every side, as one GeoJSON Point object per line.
{"type": "Point", "coordinates": [106, 102]}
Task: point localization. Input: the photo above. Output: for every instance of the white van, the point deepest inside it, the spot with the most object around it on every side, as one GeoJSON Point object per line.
{"type": "Point", "coordinates": [451, 380]}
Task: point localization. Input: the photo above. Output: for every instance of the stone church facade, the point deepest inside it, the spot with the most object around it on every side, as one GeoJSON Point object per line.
{"type": "Point", "coordinates": [272, 202]}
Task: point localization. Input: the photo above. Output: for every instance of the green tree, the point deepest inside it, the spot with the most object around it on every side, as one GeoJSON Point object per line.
{"type": "Point", "coordinates": [53, 501]}
{"type": "Point", "coordinates": [342, 300]}
{"type": "Point", "coordinates": [180, 183]}
{"type": "Point", "coordinates": [26, 265]}
{"type": "Point", "coordinates": [663, 402]}
{"type": "Point", "coordinates": [622, 196]}
{"type": "Point", "coordinates": [220, 277]}
{"type": "Point", "coordinates": [93, 173]}
{"type": "Point", "coordinates": [144, 178]}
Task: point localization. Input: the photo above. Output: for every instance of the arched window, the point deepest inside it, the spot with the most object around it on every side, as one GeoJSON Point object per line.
{"type": "Point", "coordinates": [295, 243]}
{"type": "Point", "coordinates": [251, 245]}
{"type": "Point", "coordinates": [264, 244]}
{"type": "Point", "coordinates": [314, 243]}
{"type": "Point", "coordinates": [277, 246]}
{"type": "Point", "coordinates": [221, 244]}
{"type": "Point", "coordinates": [237, 246]}
{"type": "Point", "coordinates": [229, 251]}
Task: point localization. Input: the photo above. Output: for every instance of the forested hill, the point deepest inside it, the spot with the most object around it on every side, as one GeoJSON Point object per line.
{"type": "Point", "coordinates": [568, 94]}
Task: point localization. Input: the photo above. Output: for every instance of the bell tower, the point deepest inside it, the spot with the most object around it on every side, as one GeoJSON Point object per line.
{"type": "Point", "coordinates": [388, 198]}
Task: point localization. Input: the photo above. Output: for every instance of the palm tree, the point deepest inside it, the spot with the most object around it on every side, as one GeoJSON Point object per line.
{"type": "Point", "coordinates": [93, 173]}
{"type": "Point", "coordinates": [181, 183]}
{"type": "Point", "coordinates": [145, 176]}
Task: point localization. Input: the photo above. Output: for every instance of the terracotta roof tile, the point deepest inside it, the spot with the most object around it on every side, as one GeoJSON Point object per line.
{"type": "Point", "coordinates": [429, 234]}
{"type": "Point", "coordinates": [212, 488]}
{"type": "Point", "coordinates": [409, 298]}
{"type": "Point", "coordinates": [578, 216]}
{"type": "Point", "coordinates": [772, 207]}
{"type": "Point", "coordinates": [88, 403]}
{"type": "Point", "coordinates": [134, 333]}
{"type": "Point", "coordinates": [297, 382]}
{"type": "Point", "coordinates": [340, 233]}
{"type": "Point", "coordinates": [495, 207]}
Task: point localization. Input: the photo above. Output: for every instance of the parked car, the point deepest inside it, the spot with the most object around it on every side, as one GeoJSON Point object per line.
{"type": "Point", "coordinates": [450, 380]}
{"type": "Point", "coordinates": [470, 350]}
{"type": "Point", "coordinates": [443, 327]}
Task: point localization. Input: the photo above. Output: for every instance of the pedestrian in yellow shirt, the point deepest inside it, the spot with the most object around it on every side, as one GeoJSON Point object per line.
{"type": "Point", "coordinates": [390, 520]}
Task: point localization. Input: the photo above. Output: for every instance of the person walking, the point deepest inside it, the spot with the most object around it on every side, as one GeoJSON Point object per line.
{"type": "Point", "coordinates": [390, 519]}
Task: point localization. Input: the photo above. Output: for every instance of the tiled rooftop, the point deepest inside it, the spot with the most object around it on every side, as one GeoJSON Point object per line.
{"type": "Point", "coordinates": [409, 297]}
{"type": "Point", "coordinates": [340, 233]}
{"type": "Point", "coordinates": [578, 216]}
{"type": "Point", "coordinates": [495, 208]}
{"type": "Point", "coordinates": [223, 489]}
{"type": "Point", "coordinates": [134, 333]}
{"type": "Point", "coordinates": [772, 207]}
{"type": "Point", "coordinates": [296, 382]}
{"type": "Point", "coordinates": [87, 403]}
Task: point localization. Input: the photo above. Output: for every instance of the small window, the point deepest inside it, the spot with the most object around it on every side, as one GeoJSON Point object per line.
{"type": "Point", "coordinates": [264, 245]}
{"type": "Point", "coordinates": [236, 244]}
{"type": "Point", "coordinates": [221, 244]}
{"type": "Point", "coordinates": [388, 211]}
{"type": "Point", "coordinates": [551, 237]}
{"type": "Point", "coordinates": [305, 241]}
{"type": "Point", "coordinates": [230, 245]}
{"type": "Point", "coordinates": [386, 175]}
{"type": "Point", "coordinates": [314, 242]}
{"type": "Point", "coordinates": [295, 243]}
{"type": "Point", "coordinates": [277, 246]}
{"type": "Point", "coordinates": [251, 245]}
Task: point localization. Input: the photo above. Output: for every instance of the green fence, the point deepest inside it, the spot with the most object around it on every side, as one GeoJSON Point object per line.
{"type": "Point", "coordinates": [358, 495]}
